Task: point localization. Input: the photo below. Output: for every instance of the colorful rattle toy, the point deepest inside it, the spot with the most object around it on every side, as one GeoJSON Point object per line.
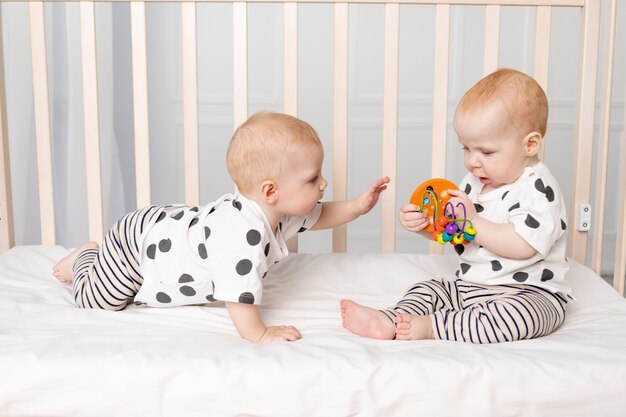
{"type": "Point", "coordinates": [430, 196]}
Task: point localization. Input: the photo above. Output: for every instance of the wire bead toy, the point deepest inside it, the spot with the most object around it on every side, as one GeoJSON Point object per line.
{"type": "Point", "coordinates": [445, 227]}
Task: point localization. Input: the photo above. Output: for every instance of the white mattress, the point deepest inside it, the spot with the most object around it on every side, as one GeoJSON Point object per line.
{"type": "Point", "coordinates": [57, 360]}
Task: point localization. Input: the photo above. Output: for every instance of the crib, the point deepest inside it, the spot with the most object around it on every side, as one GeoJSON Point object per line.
{"type": "Point", "coordinates": [186, 361]}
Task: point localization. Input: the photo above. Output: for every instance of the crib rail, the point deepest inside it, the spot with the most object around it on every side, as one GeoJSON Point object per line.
{"type": "Point", "coordinates": [585, 120]}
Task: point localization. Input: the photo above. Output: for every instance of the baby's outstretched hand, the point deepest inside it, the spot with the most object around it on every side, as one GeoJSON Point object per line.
{"type": "Point", "coordinates": [280, 334]}
{"type": "Point", "coordinates": [411, 219]}
{"type": "Point", "coordinates": [366, 201]}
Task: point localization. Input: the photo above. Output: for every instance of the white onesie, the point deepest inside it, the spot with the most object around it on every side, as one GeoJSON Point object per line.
{"type": "Point", "coordinates": [219, 252]}
{"type": "Point", "coordinates": [535, 207]}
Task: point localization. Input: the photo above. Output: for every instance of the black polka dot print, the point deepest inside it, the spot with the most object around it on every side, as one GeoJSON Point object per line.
{"type": "Point", "coordinates": [178, 215]}
{"type": "Point", "coordinates": [243, 267]}
{"type": "Point", "coordinates": [161, 297]}
{"type": "Point", "coordinates": [165, 245]}
{"type": "Point", "coordinates": [253, 237]}
{"type": "Point", "coordinates": [193, 221]}
{"type": "Point", "coordinates": [468, 189]}
{"type": "Point", "coordinates": [207, 232]}
{"type": "Point", "coordinates": [195, 209]}
{"type": "Point", "coordinates": [161, 216]}
{"type": "Point", "coordinates": [479, 208]}
{"type": "Point", "coordinates": [267, 249]}
{"type": "Point", "coordinates": [540, 186]}
{"type": "Point", "coordinates": [496, 265]}
{"type": "Point", "coordinates": [202, 251]}
{"type": "Point", "coordinates": [237, 205]}
{"type": "Point", "coordinates": [514, 207]}
{"type": "Point", "coordinates": [459, 249]}
{"type": "Point", "coordinates": [547, 191]}
{"type": "Point", "coordinates": [210, 297]}
{"type": "Point", "coordinates": [504, 195]}
{"type": "Point", "coordinates": [563, 225]}
{"type": "Point", "coordinates": [246, 298]}
{"type": "Point", "coordinates": [531, 222]}
{"type": "Point", "coordinates": [187, 291]}
{"type": "Point", "coordinates": [212, 210]}
{"type": "Point", "coordinates": [302, 229]}
{"type": "Point", "coordinates": [520, 276]}
{"type": "Point", "coordinates": [151, 251]}
{"type": "Point", "coordinates": [465, 267]}
{"type": "Point", "coordinates": [185, 278]}
{"type": "Point", "coordinates": [546, 275]}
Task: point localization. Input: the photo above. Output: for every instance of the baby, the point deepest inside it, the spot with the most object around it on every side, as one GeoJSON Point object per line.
{"type": "Point", "coordinates": [510, 281]}
{"type": "Point", "coordinates": [178, 255]}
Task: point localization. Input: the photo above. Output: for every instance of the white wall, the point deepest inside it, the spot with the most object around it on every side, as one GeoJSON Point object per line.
{"type": "Point", "coordinates": [265, 92]}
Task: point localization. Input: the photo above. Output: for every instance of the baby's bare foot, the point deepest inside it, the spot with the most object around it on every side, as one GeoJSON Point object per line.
{"type": "Point", "coordinates": [62, 270]}
{"type": "Point", "coordinates": [413, 327]}
{"type": "Point", "coordinates": [366, 321]}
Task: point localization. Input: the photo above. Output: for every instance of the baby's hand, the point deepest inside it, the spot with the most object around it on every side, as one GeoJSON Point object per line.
{"type": "Point", "coordinates": [366, 201]}
{"type": "Point", "coordinates": [280, 334]}
{"type": "Point", "coordinates": [459, 196]}
{"type": "Point", "coordinates": [411, 219]}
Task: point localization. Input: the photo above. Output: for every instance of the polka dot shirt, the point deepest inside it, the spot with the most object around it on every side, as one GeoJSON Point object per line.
{"type": "Point", "coordinates": [219, 252]}
{"type": "Point", "coordinates": [535, 207]}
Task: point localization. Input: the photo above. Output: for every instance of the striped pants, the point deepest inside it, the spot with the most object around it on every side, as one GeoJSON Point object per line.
{"type": "Point", "coordinates": [475, 313]}
{"type": "Point", "coordinates": [109, 278]}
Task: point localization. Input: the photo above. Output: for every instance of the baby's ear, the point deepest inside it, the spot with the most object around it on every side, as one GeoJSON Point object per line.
{"type": "Point", "coordinates": [533, 142]}
{"type": "Point", "coordinates": [269, 191]}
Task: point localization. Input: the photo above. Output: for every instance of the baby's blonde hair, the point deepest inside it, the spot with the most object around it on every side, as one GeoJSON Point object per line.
{"type": "Point", "coordinates": [522, 97]}
{"type": "Point", "coordinates": [259, 147]}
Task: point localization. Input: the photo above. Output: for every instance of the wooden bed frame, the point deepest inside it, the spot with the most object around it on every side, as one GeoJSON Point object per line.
{"type": "Point", "coordinates": [590, 69]}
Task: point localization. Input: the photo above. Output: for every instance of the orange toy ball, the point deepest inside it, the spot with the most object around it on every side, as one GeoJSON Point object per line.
{"type": "Point", "coordinates": [439, 187]}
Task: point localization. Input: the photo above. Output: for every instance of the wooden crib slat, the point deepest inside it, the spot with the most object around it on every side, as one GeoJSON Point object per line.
{"type": "Point", "coordinates": [603, 139]}
{"type": "Point", "coordinates": [340, 116]}
{"type": "Point", "coordinates": [585, 111]}
{"type": "Point", "coordinates": [440, 98]}
{"type": "Point", "coordinates": [240, 63]}
{"type": "Point", "coordinates": [619, 267]}
{"type": "Point", "coordinates": [290, 74]}
{"type": "Point", "coordinates": [7, 235]}
{"type": "Point", "coordinates": [42, 122]}
{"type": "Point", "coordinates": [190, 104]}
{"type": "Point", "coordinates": [290, 61]}
{"type": "Point", "coordinates": [91, 121]}
{"type": "Point", "coordinates": [140, 103]}
{"type": "Point", "coordinates": [492, 39]}
{"type": "Point", "coordinates": [390, 126]}
{"type": "Point", "coordinates": [542, 46]}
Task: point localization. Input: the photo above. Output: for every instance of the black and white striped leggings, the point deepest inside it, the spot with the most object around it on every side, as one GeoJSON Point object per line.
{"type": "Point", "coordinates": [109, 278]}
{"type": "Point", "coordinates": [475, 313]}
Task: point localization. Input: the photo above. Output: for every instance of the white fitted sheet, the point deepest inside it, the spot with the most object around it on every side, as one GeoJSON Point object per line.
{"type": "Point", "coordinates": [57, 360]}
